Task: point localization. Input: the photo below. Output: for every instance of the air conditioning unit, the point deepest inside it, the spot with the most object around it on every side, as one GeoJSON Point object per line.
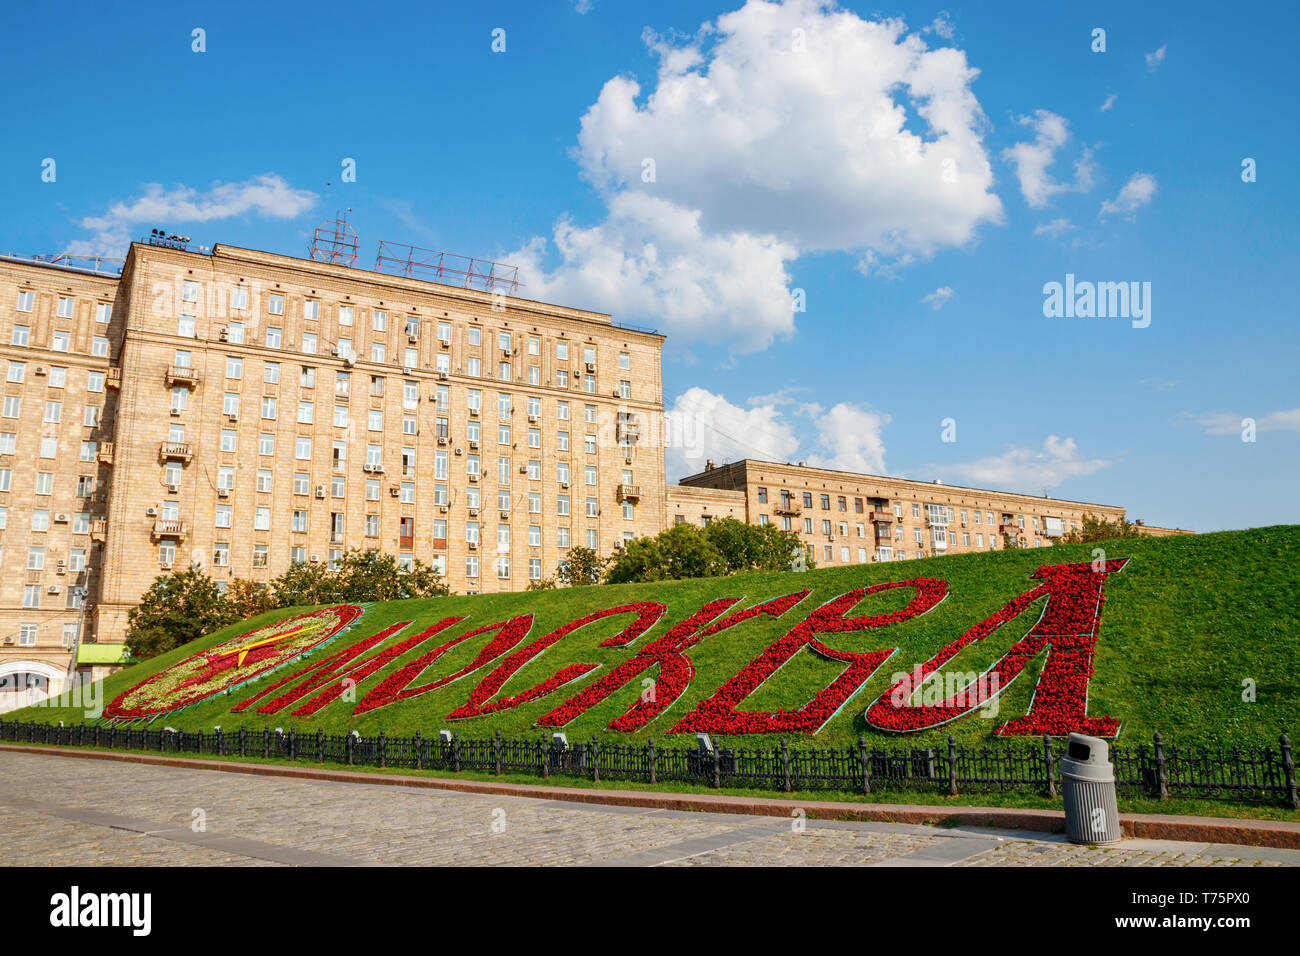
{"type": "Point", "coordinates": [349, 360]}
{"type": "Point", "coordinates": [173, 489]}
{"type": "Point", "coordinates": [61, 518]}
{"type": "Point", "coordinates": [412, 339]}
{"type": "Point", "coordinates": [505, 516]}
{"type": "Point", "coordinates": [367, 467]}
{"type": "Point", "coordinates": [61, 570]}
{"type": "Point", "coordinates": [165, 565]}
{"type": "Point", "coordinates": [176, 411]}
{"type": "Point", "coordinates": [442, 439]}
{"type": "Point", "coordinates": [406, 369]}
{"type": "Point", "coordinates": [532, 419]}
{"type": "Point", "coordinates": [473, 545]}
{"type": "Point", "coordinates": [505, 353]}
{"type": "Point", "coordinates": [223, 492]}
{"type": "Point", "coordinates": [442, 509]}
{"type": "Point", "coordinates": [40, 370]}
{"type": "Point", "coordinates": [591, 366]}
{"type": "Point", "coordinates": [52, 589]}
{"type": "Point", "coordinates": [223, 335]}
{"type": "Point", "coordinates": [460, 451]}
{"type": "Point", "coordinates": [523, 469]}
{"type": "Point", "coordinates": [320, 491]}
{"type": "Point", "coordinates": [473, 413]}
{"type": "Point", "coordinates": [443, 376]}
{"type": "Point", "coordinates": [151, 512]}
{"type": "Point", "coordinates": [233, 416]}
{"type": "Point", "coordinates": [11, 639]}
{"type": "Point", "coordinates": [474, 444]}
{"type": "Point", "coordinates": [334, 350]}
{"type": "Point", "coordinates": [315, 558]}
{"type": "Point", "coordinates": [473, 478]}
{"type": "Point", "coordinates": [394, 490]}
{"type": "Point", "coordinates": [564, 484]}
{"type": "Point", "coordinates": [473, 512]}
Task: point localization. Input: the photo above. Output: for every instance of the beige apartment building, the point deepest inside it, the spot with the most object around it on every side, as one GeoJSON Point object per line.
{"type": "Point", "coordinates": [241, 410]}
{"type": "Point", "coordinates": [845, 518]}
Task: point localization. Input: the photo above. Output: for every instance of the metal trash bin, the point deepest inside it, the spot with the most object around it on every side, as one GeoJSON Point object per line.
{"type": "Point", "coordinates": [1088, 785]}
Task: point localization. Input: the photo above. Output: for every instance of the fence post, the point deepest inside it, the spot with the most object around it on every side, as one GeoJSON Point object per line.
{"type": "Point", "coordinates": [419, 752]}
{"type": "Point", "coordinates": [1162, 776]}
{"type": "Point", "coordinates": [546, 757]}
{"type": "Point", "coordinates": [866, 764]}
{"type": "Point", "coordinates": [320, 745]}
{"type": "Point", "coordinates": [785, 762]}
{"type": "Point", "coordinates": [1051, 765]}
{"type": "Point", "coordinates": [350, 740]}
{"type": "Point", "coordinates": [496, 750]}
{"type": "Point", "coordinates": [293, 745]}
{"type": "Point", "coordinates": [717, 765]}
{"type": "Point", "coordinates": [243, 740]}
{"type": "Point", "coordinates": [952, 766]}
{"type": "Point", "coordinates": [654, 762]}
{"type": "Point", "coordinates": [595, 758]}
{"type": "Point", "coordinates": [455, 749]}
{"type": "Point", "coordinates": [1288, 765]}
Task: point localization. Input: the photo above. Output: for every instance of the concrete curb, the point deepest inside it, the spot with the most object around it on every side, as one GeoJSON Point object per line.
{"type": "Point", "coordinates": [1145, 826]}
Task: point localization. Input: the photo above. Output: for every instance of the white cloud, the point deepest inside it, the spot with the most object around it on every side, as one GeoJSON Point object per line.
{"type": "Point", "coordinates": [1054, 228]}
{"type": "Point", "coordinates": [1029, 470]}
{"type": "Point", "coordinates": [1107, 106]}
{"type": "Point", "coordinates": [582, 6]}
{"type": "Point", "coordinates": [779, 129]}
{"type": "Point", "coordinates": [1031, 160]}
{"type": "Point", "coordinates": [942, 26]}
{"type": "Point", "coordinates": [1137, 192]}
{"type": "Point", "coordinates": [267, 196]}
{"type": "Point", "coordinates": [1226, 423]}
{"type": "Point", "coordinates": [701, 425]}
{"type": "Point", "coordinates": [1155, 59]}
{"type": "Point", "coordinates": [939, 297]}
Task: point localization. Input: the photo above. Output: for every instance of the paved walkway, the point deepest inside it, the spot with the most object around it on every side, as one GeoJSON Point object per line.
{"type": "Point", "coordinates": [58, 810]}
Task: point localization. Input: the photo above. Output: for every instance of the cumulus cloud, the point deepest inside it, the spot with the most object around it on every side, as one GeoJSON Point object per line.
{"type": "Point", "coordinates": [1137, 192]}
{"type": "Point", "coordinates": [267, 196]}
{"type": "Point", "coordinates": [1227, 423]}
{"type": "Point", "coordinates": [1029, 470]}
{"type": "Point", "coordinates": [1155, 59]}
{"type": "Point", "coordinates": [1054, 228]}
{"type": "Point", "coordinates": [939, 297]}
{"type": "Point", "coordinates": [702, 425]}
{"type": "Point", "coordinates": [1032, 159]}
{"type": "Point", "coordinates": [777, 130]}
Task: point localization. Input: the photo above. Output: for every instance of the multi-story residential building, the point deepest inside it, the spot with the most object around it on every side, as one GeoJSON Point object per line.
{"type": "Point", "coordinates": [845, 518]}
{"type": "Point", "coordinates": [241, 410]}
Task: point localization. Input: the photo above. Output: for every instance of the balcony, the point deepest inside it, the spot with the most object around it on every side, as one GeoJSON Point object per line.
{"type": "Point", "coordinates": [788, 509]}
{"type": "Point", "coordinates": [182, 375]}
{"type": "Point", "coordinates": [105, 454]}
{"type": "Point", "coordinates": [175, 451]}
{"type": "Point", "coordinates": [170, 528]}
{"type": "Point", "coordinates": [627, 430]}
{"type": "Point", "coordinates": [1011, 529]}
{"type": "Point", "coordinates": [99, 530]}
{"type": "Point", "coordinates": [629, 492]}
{"type": "Point", "coordinates": [884, 517]}
{"type": "Point", "coordinates": [114, 378]}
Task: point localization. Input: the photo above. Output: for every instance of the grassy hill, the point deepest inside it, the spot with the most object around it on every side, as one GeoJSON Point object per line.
{"type": "Point", "coordinates": [1186, 622]}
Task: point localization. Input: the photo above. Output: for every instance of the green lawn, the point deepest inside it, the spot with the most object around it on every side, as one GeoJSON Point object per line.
{"type": "Point", "coordinates": [1186, 622]}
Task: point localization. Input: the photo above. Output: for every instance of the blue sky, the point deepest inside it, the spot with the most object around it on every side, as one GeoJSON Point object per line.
{"type": "Point", "coordinates": [919, 179]}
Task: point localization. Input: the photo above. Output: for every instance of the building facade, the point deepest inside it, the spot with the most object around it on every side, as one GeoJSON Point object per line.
{"type": "Point", "coordinates": [845, 518]}
{"type": "Point", "coordinates": [241, 410]}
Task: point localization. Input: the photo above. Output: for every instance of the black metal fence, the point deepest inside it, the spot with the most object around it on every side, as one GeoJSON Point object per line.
{"type": "Point", "coordinates": [1160, 770]}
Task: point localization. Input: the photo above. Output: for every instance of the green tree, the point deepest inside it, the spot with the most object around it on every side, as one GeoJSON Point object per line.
{"type": "Point", "coordinates": [245, 599]}
{"type": "Point", "coordinates": [307, 583]}
{"type": "Point", "coordinates": [749, 547]}
{"type": "Point", "coordinates": [1092, 528]}
{"type": "Point", "coordinates": [177, 608]}
{"type": "Point", "coordinates": [361, 576]}
{"type": "Point", "coordinates": [724, 546]}
{"type": "Point", "coordinates": [582, 566]}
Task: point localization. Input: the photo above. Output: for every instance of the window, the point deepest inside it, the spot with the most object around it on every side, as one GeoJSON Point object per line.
{"type": "Point", "coordinates": [375, 420]}
{"type": "Point", "coordinates": [264, 479]}
{"type": "Point", "coordinates": [65, 307]}
{"type": "Point", "coordinates": [234, 332]}
{"type": "Point", "coordinates": [26, 302]}
{"type": "Point", "coordinates": [220, 554]}
{"type": "Point", "coordinates": [262, 519]}
{"type": "Point", "coordinates": [269, 406]}
{"type": "Point", "coordinates": [378, 353]}
{"type": "Point", "coordinates": [275, 304]}
{"type": "Point", "coordinates": [301, 483]}
{"type": "Point", "coordinates": [299, 521]}
{"type": "Point", "coordinates": [32, 596]}
{"type": "Point", "coordinates": [265, 443]}
{"type": "Point", "coordinates": [234, 366]}
{"type": "Point", "coordinates": [306, 413]}
{"type": "Point", "coordinates": [444, 331]}
{"type": "Point", "coordinates": [239, 298]}
{"type": "Point", "coordinates": [259, 555]}
{"type": "Point", "coordinates": [309, 343]}
{"type": "Point", "coordinates": [274, 337]}
{"type": "Point", "coordinates": [340, 416]}
{"type": "Point", "coordinates": [302, 448]}
{"type": "Point", "coordinates": [21, 335]}
{"type": "Point", "coordinates": [226, 478]}
{"type": "Point", "coordinates": [311, 310]}
{"type": "Point", "coordinates": [35, 559]}
{"type": "Point", "coordinates": [13, 405]}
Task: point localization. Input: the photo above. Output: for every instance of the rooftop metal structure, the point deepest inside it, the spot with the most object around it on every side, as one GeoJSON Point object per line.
{"type": "Point", "coordinates": [336, 241]}
{"type": "Point", "coordinates": [99, 265]}
{"type": "Point", "coordinates": [398, 258]}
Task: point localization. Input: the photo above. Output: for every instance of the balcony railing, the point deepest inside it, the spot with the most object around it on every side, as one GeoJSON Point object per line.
{"type": "Point", "coordinates": [169, 528]}
{"type": "Point", "coordinates": [788, 508]}
{"type": "Point", "coordinates": [175, 451]}
{"type": "Point", "coordinates": [114, 378]}
{"type": "Point", "coordinates": [99, 529]}
{"type": "Point", "coordinates": [629, 492]}
{"type": "Point", "coordinates": [883, 516]}
{"type": "Point", "coordinates": [182, 375]}
{"type": "Point", "coordinates": [105, 453]}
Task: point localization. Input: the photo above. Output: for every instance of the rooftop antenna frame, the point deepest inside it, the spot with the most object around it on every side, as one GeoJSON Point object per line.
{"type": "Point", "coordinates": [336, 241]}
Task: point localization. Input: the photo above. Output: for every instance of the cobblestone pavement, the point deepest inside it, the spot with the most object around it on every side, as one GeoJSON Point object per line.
{"type": "Point", "coordinates": [61, 810]}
